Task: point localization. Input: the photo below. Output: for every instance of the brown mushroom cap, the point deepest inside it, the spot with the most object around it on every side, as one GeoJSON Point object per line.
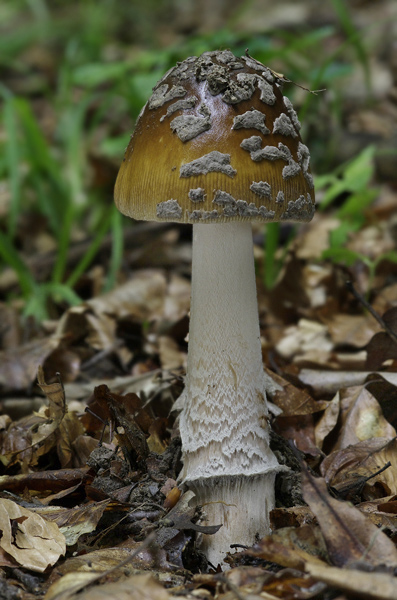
{"type": "Point", "coordinates": [216, 142]}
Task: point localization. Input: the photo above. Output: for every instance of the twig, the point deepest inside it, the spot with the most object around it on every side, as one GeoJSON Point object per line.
{"type": "Point", "coordinates": [379, 471]}
{"type": "Point", "coordinates": [284, 79]}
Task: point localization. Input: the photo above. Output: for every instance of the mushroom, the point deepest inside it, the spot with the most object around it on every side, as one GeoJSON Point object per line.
{"type": "Point", "coordinates": [217, 145]}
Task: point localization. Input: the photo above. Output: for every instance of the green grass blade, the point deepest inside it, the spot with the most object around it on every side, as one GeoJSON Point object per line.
{"type": "Point", "coordinates": [12, 258]}
{"type": "Point", "coordinates": [354, 36]}
{"type": "Point", "coordinates": [64, 243]}
{"type": "Point", "coordinates": [63, 292]}
{"type": "Point", "coordinates": [72, 133]}
{"type": "Point", "coordinates": [12, 156]}
{"type": "Point", "coordinates": [48, 200]}
{"type": "Point", "coordinates": [89, 255]}
{"type": "Point", "coordinates": [37, 303]}
{"type": "Point", "coordinates": [36, 144]}
{"type": "Point", "coordinates": [45, 173]}
{"type": "Point", "coordinates": [271, 245]}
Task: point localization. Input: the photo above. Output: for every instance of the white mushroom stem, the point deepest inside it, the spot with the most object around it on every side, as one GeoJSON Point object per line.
{"type": "Point", "coordinates": [227, 459]}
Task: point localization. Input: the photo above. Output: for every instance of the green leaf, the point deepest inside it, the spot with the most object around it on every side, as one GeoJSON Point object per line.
{"type": "Point", "coordinates": [356, 204]}
{"type": "Point", "coordinates": [339, 236]}
{"type": "Point", "coordinates": [346, 256]}
{"type": "Point", "coordinates": [354, 176]}
{"type": "Point", "coordinates": [359, 171]}
{"type": "Point", "coordinates": [322, 181]}
{"type": "Point", "coordinates": [334, 191]}
{"type": "Point", "coordinates": [391, 256]}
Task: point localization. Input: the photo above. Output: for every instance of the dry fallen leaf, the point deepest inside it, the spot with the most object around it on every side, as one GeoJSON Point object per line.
{"type": "Point", "coordinates": [294, 516]}
{"type": "Point", "coordinates": [324, 381]}
{"type": "Point", "coordinates": [361, 418]}
{"type": "Point", "coordinates": [308, 341]}
{"type": "Point", "coordinates": [70, 429]}
{"type": "Point", "coordinates": [60, 480]}
{"type": "Point", "coordinates": [74, 522]}
{"type": "Point", "coordinates": [327, 421]}
{"type": "Point", "coordinates": [54, 413]}
{"type": "Point", "coordinates": [16, 442]}
{"type": "Point", "coordinates": [300, 429]}
{"type": "Point", "coordinates": [382, 512]}
{"type": "Point", "coordinates": [18, 366]}
{"type": "Point", "coordinates": [378, 586]}
{"type": "Point", "coordinates": [177, 300]}
{"type": "Point", "coordinates": [383, 345]}
{"type": "Point", "coordinates": [294, 401]}
{"type": "Point", "coordinates": [136, 587]}
{"type": "Point", "coordinates": [291, 546]}
{"type": "Point", "coordinates": [33, 542]}
{"type": "Point", "coordinates": [315, 239]}
{"type": "Point", "coordinates": [351, 330]}
{"type": "Point", "coordinates": [69, 585]}
{"type": "Point", "coordinates": [169, 353]}
{"type": "Point", "coordinates": [141, 298]}
{"type": "Point", "coordinates": [255, 583]}
{"type": "Point", "coordinates": [34, 436]}
{"type": "Point", "coordinates": [364, 459]}
{"type": "Point", "coordinates": [380, 348]}
{"type": "Point", "coordinates": [349, 536]}
{"type": "Point", "coordinates": [386, 394]}
{"type": "Point", "coordinates": [78, 572]}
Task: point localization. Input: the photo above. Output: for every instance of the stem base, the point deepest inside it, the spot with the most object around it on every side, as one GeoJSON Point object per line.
{"type": "Point", "coordinates": [242, 504]}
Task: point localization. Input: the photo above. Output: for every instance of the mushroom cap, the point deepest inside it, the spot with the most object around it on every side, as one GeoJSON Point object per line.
{"type": "Point", "coordinates": [216, 142]}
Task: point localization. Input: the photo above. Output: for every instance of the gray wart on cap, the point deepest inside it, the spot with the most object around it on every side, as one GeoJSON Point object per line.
{"type": "Point", "coordinates": [197, 195]}
{"type": "Point", "coordinates": [261, 188]}
{"type": "Point", "coordinates": [160, 95]}
{"type": "Point", "coordinates": [180, 105]}
{"type": "Point", "coordinates": [283, 125]}
{"type": "Point", "coordinates": [301, 208]}
{"type": "Point", "coordinates": [170, 209]}
{"type": "Point", "coordinates": [188, 127]}
{"type": "Point", "coordinates": [292, 113]}
{"type": "Point", "coordinates": [252, 119]}
{"type": "Point", "coordinates": [212, 162]}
